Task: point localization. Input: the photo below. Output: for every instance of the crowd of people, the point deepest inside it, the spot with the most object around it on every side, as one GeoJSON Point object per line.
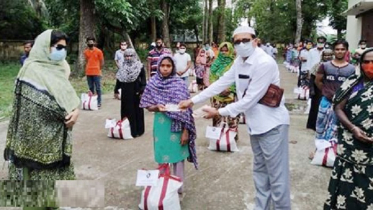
{"type": "Point", "coordinates": [236, 79]}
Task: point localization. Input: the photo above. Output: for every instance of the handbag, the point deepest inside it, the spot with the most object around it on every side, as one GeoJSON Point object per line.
{"type": "Point", "coordinates": [273, 96]}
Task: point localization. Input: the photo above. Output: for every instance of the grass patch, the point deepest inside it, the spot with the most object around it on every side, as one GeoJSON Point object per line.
{"type": "Point", "coordinates": [8, 74]}
{"type": "Point", "coordinates": [9, 71]}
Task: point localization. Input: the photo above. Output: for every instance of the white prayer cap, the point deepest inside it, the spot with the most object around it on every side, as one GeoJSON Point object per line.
{"type": "Point", "coordinates": [243, 29]}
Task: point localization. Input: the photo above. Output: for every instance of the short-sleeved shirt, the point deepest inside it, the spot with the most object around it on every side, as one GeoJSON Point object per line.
{"type": "Point", "coordinates": [93, 58]}
{"type": "Point", "coordinates": [119, 56]}
{"type": "Point", "coordinates": [153, 58]}
{"type": "Point", "coordinates": [334, 76]}
{"type": "Point", "coordinates": [306, 66]}
{"type": "Point", "coordinates": [23, 58]}
{"type": "Point", "coordinates": [182, 63]}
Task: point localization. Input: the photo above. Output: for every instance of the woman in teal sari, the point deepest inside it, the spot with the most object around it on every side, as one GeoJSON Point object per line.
{"type": "Point", "coordinates": [45, 108]}
{"type": "Point", "coordinates": [351, 183]}
{"type": "Point", "coordinates": [174, 132]}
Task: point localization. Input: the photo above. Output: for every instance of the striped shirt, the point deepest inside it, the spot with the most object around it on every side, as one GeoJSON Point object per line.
{"type": "Point", "coordinates": [153, 58]}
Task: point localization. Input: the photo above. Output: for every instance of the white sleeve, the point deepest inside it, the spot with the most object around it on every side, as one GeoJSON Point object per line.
{"type": "Point", "coordinates": [256, 90]}
{"type": "Point", "coordinates": [217, 87]}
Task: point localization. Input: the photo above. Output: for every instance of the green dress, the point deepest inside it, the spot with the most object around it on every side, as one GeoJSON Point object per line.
{"type": "Point", "coordinates": [351, 182]}
{"type": "Point", "coordinates": [167, 147]}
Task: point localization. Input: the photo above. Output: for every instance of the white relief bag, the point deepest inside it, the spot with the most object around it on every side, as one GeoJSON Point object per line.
{"type": "Point", "coordinates": [193, 87]}
{"type": "Point", "coordinates": [164, 195]}
{"type": "Point", "coordinates": [226, 142]}
{"type": "Point", "coordinates": [325, 154]}
{"type": "Point", "coordinates": [119, 129]}
{"type": "Point", "coordinates": [89, 101]}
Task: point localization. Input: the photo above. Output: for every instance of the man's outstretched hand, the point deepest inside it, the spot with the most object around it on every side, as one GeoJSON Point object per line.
{"type": "Point", "coordinates": [185, 104]}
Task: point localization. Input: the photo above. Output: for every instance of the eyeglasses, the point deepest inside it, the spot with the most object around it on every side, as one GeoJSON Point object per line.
{"type": "Point", "coordinates": [237, 42]}
{"type": "Point", "coordinates": [166, 65]}
{"type": "Point", "coordinates": [367, 61]}
{"type": "Point", "coordinates": [60, 47]}
{"type": "Point", "coordinates": [128, 56]}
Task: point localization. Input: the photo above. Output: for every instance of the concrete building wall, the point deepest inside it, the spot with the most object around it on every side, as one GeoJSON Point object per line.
{"type": "Point", "coordinates": [353, 33]}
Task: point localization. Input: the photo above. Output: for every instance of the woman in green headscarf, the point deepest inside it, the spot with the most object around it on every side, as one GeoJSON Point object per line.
{"type": "Point", "coordinates": [45, 108]}
{"type": "Point", "coordinates": [222, 64]}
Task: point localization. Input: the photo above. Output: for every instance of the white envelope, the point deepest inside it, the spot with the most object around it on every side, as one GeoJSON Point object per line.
{"type": "Point", "coordinates": [172, 108]}
{"type": "Point", "coordinates": [147, 178]}
{"type": "Point", "coordinates": [213, 132]}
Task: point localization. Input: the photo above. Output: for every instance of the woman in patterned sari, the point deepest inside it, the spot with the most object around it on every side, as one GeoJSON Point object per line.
{"type": "Point", "coordinates": [222, 64]}
{"type": "Point", "coordinates": [351, 183]}
{"type": "Point", "coordinates": [45, 108]}
{"type": "Point", "coordinates": [174, 132]}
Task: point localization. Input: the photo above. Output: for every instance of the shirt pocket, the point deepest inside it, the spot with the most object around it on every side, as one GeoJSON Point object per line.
{"type": "Point", "coordinates": [243, 82]}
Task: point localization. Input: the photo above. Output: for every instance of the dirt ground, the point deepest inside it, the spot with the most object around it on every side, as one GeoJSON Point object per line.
{"type": "Point", "coordinates": [224, 180]}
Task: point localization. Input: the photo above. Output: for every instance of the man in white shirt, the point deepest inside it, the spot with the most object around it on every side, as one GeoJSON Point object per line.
{"type": "Point", "coordinates": [269, 49]}
{"type": "Point", "coordinates": [315, 53]}
{"type": "Point", "coordinates": [305, 57]}
{"type": "Point", "coordinates": [252, 72]}
{"type": "Point", "coordinates": [183, 63]}
{"type": "Point", "coordinates": [119, 54]}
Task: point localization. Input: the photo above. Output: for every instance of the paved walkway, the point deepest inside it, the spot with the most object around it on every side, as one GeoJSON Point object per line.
{"type": "Point", "coordinates": [224, 180]}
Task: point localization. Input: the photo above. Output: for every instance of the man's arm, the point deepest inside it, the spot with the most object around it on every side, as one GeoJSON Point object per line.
{"type": "Point", "coordinates": [255, 91]}
{"type": "Point", "coordinates": [319, 77]}
{"type": "Point", "coordinates": [217, 87]}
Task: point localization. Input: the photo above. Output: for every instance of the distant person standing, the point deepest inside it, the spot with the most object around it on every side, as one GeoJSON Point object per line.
{"type": "Point", "coordinates": [27, 48]}
{"type": "Point", "coordinates": [274, 51]}
{"type": "Point", "coordinates": [183, 63]}
{"type": "Point", "coordinates": [119, 58]}
{"type": "Point", "coordinates": [154, 55]}
{"type": "Point", "coordinates": [95, 63]}
{"type": "Point", "coordinates": [359, 51]}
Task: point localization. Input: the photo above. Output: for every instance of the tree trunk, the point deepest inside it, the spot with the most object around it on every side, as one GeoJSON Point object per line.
{"type": "Point", "coordinates": [339, 33]}
{"type": "Point", "coordinates": [196, 33]}
{"type": "Point", "coordinates": [165, 25]}
{"type": "Point", "coordinates": [205, 21]}
{"type": "Point", "coordinates": [298, 33]}
{"type": "Point", "coordinates": [129, 40]}
{"type": "Point", "coordinates": [221, 21]}
{"type": "Point", "coordinates": [211, 30]}
{"type": "Point", "coordinates": [86, 29]}
{"type": "Point", "coordinates": [153, 28]}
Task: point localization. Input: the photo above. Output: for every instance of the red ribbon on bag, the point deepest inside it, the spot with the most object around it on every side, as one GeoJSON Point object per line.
{"type": "Point", "coordinates": [325, 159]}
{"type": "Point", "coordinates": [166, 174]}
{"type": "Point", "coordinates": [227, 138]}
{"type": "Point", "coordinates": [119, 123]}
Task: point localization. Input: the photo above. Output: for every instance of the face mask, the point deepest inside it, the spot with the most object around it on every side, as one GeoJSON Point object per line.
{"type": "Point", "coordinates": [320, 45]}
{"type": "Point", "coordinates": [368, 70]}
{"type": "Point", "coordinates": [182, 51]}
{"type": "Point", "coordinates": [363, 46]}
{"type": "Point", "coordinates": [90, 45]}
{"type": "Point", "coordinates": [244, 49]}
{"type": "Point", "coordinates": [207, 47]}
{"type": "Point", "coordinates": [309, 46]}
{"type": "Point", "coordinates": [57, 55]}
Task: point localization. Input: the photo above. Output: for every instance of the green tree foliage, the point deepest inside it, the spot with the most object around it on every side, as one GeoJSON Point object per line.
{"type": "Point", "coordinates": [275, 20]}
{"type": "Point", "coordinates": [18, 20]}
{"type": "Point", "coordinates": [337, 19]}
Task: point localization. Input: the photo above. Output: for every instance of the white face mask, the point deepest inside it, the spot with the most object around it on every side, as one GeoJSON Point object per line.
{"type": "Point", "coordinates": [182, 51]}
{"type": "Point", "coordinates": [320, 45]}
{"type": "Point", "coordinates": [363, 46]}
{"type": "Point", "coordinates": [245, 50]}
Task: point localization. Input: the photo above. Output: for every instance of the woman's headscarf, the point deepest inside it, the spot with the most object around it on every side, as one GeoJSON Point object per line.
{"type": "Point", "coordinates": [201, 60]}
{"type": "Point", "coordinates": [131, 68]}
{"type": "Point", "coordinates": [171, 90]}
{"type": "Point", "coordinates": [223, 62]}
{"type": "Point", "coordinates": [49, 75]}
